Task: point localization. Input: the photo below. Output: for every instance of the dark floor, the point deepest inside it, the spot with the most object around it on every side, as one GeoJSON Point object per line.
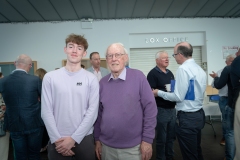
{"type": "Point", "coordinates": [211, 148]}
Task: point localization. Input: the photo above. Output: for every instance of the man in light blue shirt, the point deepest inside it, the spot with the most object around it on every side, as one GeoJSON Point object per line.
{"type": "Point", "coordinates": [96, 69]}
{"type": "Point", "coordinates": [190, 117]}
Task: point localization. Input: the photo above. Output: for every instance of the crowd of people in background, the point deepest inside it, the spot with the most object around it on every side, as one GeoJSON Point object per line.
{"type": "Point", "coordinates": [114, 113]}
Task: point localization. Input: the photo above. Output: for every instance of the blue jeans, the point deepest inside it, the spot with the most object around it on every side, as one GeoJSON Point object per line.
{"type": "Point", "coordinates": [229, 135]}
{"type": "Point", "coordinates": [166, 120]}
{"type": "Point", "coordinates": [27, 144]}
{"type": "Point", "coordinates": [223, 101]}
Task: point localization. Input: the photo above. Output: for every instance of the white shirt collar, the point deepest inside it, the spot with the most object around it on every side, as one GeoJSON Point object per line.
{"type": "Point", "coordinates": [19, 70]}
{"type": "Point", "coordinates": [122, 75]}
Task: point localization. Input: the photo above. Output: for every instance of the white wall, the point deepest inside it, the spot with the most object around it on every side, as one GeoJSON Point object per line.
{"type": "Point", "coordinates": [44, 42]}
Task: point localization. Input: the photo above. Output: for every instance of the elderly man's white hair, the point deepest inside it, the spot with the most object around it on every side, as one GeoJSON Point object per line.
{"type": "Point", "coordinates": [159, 53]}
{"type": "Point", "coordinates": [118, 44]}
{"type": "Point", "coordinates": [230, 56]}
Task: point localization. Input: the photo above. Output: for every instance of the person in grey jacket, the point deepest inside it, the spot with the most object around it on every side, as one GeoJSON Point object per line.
{"type": "Point", "coordinates": [95, 68]}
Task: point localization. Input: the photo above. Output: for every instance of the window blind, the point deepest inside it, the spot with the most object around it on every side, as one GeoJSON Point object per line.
{"type": "Point", "coordinates": [143, 59]}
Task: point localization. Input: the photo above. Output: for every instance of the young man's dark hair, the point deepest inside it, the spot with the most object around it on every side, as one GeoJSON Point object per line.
{"type": "Point", "coordinates": [78, 39]}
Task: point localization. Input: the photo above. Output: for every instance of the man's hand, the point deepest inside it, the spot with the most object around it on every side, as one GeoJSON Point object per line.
{"type": "Point", "coordinates": [64, 145]}
{"type": "Point", "coordinates": [3, 107]}
{"type": "Point", "coordinates": [146, 150]}
{"type": "Point", "coordinates": [155, 92]}
{"type": "Point", "coordinates": [213, 75]}
{"type": "Point", "coordinates": [98, 149]}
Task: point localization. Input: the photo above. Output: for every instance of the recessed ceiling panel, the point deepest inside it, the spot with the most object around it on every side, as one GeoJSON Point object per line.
{"type": "Point", "coordinates": [177, 7]}
{"type": "Point", "coordinates": [65, 9]}
{"type": "Point", "coordinates": [237, 14]}
{"type": "Point", "coordinates": [225, 8]}
{"type": "Point", "coordinates": [104, 8]}
{"type": "Point", "coordinates": [125, 8]}
{"type": "Point", "coordinates": [142, 8]}
{"type": "Point", "coordinates": [3, 19]}
{"type": "Point", "coordinates": [10, 13]}
{"type": "Point", "coordinates": [45, 9]}
{"type": "Point", "coordinates": [233, 11]}
{"type": "Point", "coordinates": [83, 8]}
{"type": "Point", "coordinates": [160, 8]}
{"type": "Point", "coordinates": [209, 8]}
{"type": "Point", "coordinates": [26, 10]}
{"type": "Point", "coordinates": [112, 9]}
{"type": "Point", "coordinates": [192, 9]}
{"type": "Point", "coordinates": [96, 9]}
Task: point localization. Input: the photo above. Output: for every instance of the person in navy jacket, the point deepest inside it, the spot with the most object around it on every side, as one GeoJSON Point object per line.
{"type": "Point", "coordinates": [21, 92]}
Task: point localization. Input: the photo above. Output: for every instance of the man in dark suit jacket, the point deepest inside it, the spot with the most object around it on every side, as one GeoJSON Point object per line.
{"type": "Point", "coordinates": [21, 93]}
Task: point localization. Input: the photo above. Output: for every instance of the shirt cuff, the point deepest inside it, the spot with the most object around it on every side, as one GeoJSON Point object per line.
{"type": "Point", "coordinates": [160, 93]}
{"type": "Point", "coordinates": [148, 140]}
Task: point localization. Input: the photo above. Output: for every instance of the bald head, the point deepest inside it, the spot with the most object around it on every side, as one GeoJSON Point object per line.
{"type": "Point", "coordinates": [185, 49]}
{"type": "Point", "coordinates": [23, 62]}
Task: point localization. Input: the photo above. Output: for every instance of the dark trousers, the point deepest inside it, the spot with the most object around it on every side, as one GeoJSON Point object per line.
{"type": "Point", "coordinates": [165, 133]}
{"type": "Point", "coordinates": [83, 151]}
{"type": "Point", "coordinates": [188, 130]}
{"type": "Point", "coordinates": [45, 138]}
{"type": "Point", "coordinates": [27, 144]}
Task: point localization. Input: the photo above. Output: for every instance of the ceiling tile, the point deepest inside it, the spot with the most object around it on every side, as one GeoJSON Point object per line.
{"type": "Point", "coordinates": [96, 9]}
{"type": "Point", "coordinates": [125, 8]}
{"type": "Point", "coordinates": [193, 7]}
{"type": "Point", "coordinates": [112, 9]}
{"type": "Point", "coordinates": [83, 8]}
{"type": "Point", "coordinates": [143, 8]}
{"type": "Point", "coordinates": [25, 8]}
{"type": "Point", "coordinates": [46, 10]}
{"type": "Point", "coordinates": [209, 8]}
{"type": "Point", "coordinates": [160, 8]}
{"type": "Point", "coordinates": [225, 8]}
{"type": "Point", "coordinates": [65, 9]}
{"type": "Point", "coordinates": [3, 19]}
{"type": "Point", "coordinates": [177, 7]}
{"type": "Point", "coordinates": [10, 13]}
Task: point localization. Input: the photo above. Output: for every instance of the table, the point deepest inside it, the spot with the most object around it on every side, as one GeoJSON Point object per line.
{"type": "Point", "coordinates": [211, 109]}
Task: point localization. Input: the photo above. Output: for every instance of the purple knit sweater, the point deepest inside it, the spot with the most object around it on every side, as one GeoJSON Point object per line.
{"type": "Point", "coordinates": [127, 111]}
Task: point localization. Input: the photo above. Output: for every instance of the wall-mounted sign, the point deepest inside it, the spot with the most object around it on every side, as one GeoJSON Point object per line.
{"type": "Point", "coordinates": [146, 40]}
{"type": "Point", "coordinates": [227, 50]}
{"type": "Point", "coordinates": [166, 40]}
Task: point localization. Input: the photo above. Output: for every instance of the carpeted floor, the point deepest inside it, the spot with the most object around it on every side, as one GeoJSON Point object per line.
{"type": "Point", "coordinates": [211, 148]}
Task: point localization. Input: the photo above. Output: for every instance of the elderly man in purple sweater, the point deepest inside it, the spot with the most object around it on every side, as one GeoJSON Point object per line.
{"type": "Point", "coordinates": [126, 121]}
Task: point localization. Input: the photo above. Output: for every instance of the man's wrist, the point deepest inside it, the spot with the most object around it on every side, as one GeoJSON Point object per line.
{"type": "Point", "coordinates": [159, 93]}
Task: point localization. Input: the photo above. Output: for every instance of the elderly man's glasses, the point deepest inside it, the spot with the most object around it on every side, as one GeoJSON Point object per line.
{"type": "Point", "coordinates": [116, 55]}
{"type": "Point", "coordinates": [175, 55]}
{"type": "Point", "coordinates": [165, 58]}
